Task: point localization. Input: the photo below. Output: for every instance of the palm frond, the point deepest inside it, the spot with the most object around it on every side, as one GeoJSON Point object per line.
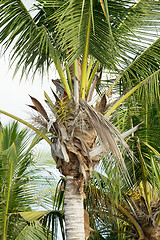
{"type": "Point", "coordinates": [123, 206]}
{"type": "Point", "coordinates": [124, 17]}
{"type": "Point", "coordinates": [33, 46]}
{"type": "Point", "coordinates": [151, 80]}
{"type": "Point", "coordinates": [107, 134]}
{"type": "Point", "coordinates": [15, 175]}
{"type": "Point", "coordinates": [35, 231]}
{"type": "Point", "coordinates": [24, 183]}
{"type": "Point", "coordinates": [26, 124]}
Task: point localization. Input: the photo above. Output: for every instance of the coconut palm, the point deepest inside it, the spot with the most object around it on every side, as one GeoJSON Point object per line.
{"type": "Point", "coordinates": [17, 191]}
{"type": "Point", "coordinates": [16, 194]}
{"type": "Point", "coordinates": [85, 37]}
{"type": "Point", "coordinates": [134, 215]}
{"type": "Point", "coordinates": [20, 186]}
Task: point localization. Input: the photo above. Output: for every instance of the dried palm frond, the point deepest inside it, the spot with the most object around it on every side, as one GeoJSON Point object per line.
{"type": "Point", "coordinates": [132, 130]}
{"type": "Point", "coordinates": [39, 108]}
{"type": "Point", "coordinates": [76, 128]}
{"type": "Point", "coordinates": [102, 104]}
{"type": "Point", "coordinates": [106, 131]}
{"type": "Point", "coordinates": [55, 95]}
{"type": "Point", "coordinates": [59, 86]}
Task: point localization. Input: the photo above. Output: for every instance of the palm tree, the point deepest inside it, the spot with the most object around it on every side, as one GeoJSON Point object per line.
{"type": "Point", "coordinates": [17, 191]}
{"type": "Point", "coordinates": [15, 194]}
{"type": "Point", "coordinates": [85, 36]}
{"type": "Point", "coordinates": [24, 186]}
{"type": "Point", "coordinates": [134, 215]}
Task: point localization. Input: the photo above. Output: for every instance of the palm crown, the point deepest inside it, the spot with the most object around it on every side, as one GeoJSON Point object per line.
{"type": "Point", "coordinates": [81, 38]}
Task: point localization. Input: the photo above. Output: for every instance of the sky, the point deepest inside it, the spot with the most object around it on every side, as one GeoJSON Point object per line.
{"type": "Point", "coordinates": [14, 95]}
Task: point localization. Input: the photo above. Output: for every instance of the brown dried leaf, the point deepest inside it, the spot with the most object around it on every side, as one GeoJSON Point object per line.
{"type": "Point", "coordinates": [58, 85]}
{"type": "Point", "coordinates": [86, 225]}
{"type": "Point", "coordinates": [33, 107]}
{"type": "Point", "coordinates": [106, 131]}
{"type": "Point", "coordinates": [102, 104]}
{"type": "Point", "coordinates": [91, 91]}
{"type": "Point", "coordinates": [132, 130]}
{"type": "Point", "coordinates": [55, 95]}
{"type": "Point", "coordinates": [39, 108]}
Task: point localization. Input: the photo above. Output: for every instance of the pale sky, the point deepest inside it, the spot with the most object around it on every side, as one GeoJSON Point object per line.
{"type": "Point", "coordinates": [13, 93]}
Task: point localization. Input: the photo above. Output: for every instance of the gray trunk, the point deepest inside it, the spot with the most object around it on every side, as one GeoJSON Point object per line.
{"type": "Point", "coordinates": [73, 211]}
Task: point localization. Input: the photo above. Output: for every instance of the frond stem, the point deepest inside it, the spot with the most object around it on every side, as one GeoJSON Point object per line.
{"type": "Point", "coordinates": [145, 186]}
{"type": "Point", "coordinates": [7, 204]}
{"type": "Point", "coordinates": [91, 77]}
{"type": "Point", "coordinates": [27, 124]}
{"type": "Point", "coordinates": [111, 109]}
{"type": "Point", "coordinates": [62, 76]}
{"type": "Point", "coordinates": [134, 222]}
{"type": "Point", "coordinates": [85, 58]}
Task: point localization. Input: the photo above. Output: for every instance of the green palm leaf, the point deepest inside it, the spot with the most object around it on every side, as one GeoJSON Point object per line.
{"type": "Point", "coordinates": [33, 232]}
{"type": "Point", "coordinates": [23, 183]}
{"type": "Point", "coordinates": [16, 190]}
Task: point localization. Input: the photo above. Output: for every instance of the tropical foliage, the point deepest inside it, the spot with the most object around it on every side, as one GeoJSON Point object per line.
{"type": "Point", "coordinates": [16, 191]}
{"type": "Point", "coordinates": [82, 38]}
{"type": "Point", "coordinates": [20, 185]}
{"type": "Point", "coordinates": [127, 212]}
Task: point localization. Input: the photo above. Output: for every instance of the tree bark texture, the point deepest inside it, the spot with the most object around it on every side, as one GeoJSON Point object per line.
{"type": "Point", "coordinates": [74, 210]}
{"type": "Point", "coordinates": [152, 233]}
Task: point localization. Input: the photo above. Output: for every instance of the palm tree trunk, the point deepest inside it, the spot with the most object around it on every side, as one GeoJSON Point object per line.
{"type": "Point", "coordinates": [73, 211]}
{"type": "Point", "coordinates": [152, 232]}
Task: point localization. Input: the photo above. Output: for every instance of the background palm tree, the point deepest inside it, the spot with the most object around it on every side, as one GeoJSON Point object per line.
{"type": "Point", "coordinates": [16, 174]}
{"type": "Point", "coordinates": [23, 184]}
{"type": "Point", "coordinates": [128, 212]}
{"type": "Point", "coordinates": [85, 36]}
